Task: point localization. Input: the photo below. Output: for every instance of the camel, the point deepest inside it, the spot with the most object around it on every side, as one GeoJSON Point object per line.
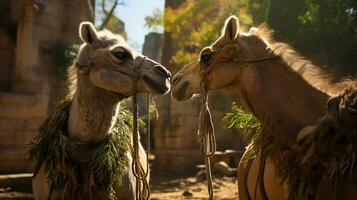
{"type": "Point", "coordinates": [101, 78]}
{"type": "Point", "coordinates": [283, 90]}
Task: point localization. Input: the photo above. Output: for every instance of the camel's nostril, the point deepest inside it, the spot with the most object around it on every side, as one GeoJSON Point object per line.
{"type": "Point", "coordinates": [160, 69]}
{"type": "Point", "coordinates": [176, 80]}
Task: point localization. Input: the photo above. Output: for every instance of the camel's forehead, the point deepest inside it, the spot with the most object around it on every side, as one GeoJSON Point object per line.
{"type": "Point", "coordinates": [218, 43]}
{"type": "Point", "coordinates": [243, 39]}
{"type": "Point", "coordinates": [109, 39]}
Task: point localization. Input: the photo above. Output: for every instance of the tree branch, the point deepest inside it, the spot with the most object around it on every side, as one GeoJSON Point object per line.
{"type": "Point", "coordinates": [103, 8]}
{"type": "Point", "coordinates": [109, 14]}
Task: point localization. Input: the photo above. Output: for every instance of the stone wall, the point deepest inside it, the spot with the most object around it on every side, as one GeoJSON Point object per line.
{"type": "Point", "coordinates": [7, 45]}
{"type": "Point", "coordinates": [30, 81]}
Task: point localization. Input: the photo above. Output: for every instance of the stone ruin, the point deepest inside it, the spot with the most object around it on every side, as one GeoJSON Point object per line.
{"type": "Point", "coordinates": [30, 81]}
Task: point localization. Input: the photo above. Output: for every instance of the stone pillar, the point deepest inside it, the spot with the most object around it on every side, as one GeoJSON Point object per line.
{"type": "Point", "coordinates": [27, 44]}
{"type": "Point", "coordinates": [153, 46]}
{"type": "Point", "coordinates": [7, 46]}
{"type": "Point", "coordinates": [175, 131]}
{"type": "Point", "coordinates": [22, 109]}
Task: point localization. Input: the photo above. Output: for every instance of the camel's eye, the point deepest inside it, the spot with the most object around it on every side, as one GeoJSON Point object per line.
{"type": "Point", "coordinates": [206, 58]}
{"type": "Point", "coordinates": [122, 55]}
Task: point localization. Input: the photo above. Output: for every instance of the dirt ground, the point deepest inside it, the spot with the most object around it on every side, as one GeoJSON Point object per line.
{"type": "Point", "coordinates": [163, 187]}
{"type": "Point", "coordinates": [167, 188]}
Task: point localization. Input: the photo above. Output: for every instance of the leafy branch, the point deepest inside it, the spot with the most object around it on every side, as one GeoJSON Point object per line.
{"type": "Point", "coordinates": [156, 20]}
{"type": "Point", "coordinates": [109, 14]}
{"type": "Point", "coordinates": [248, 125]}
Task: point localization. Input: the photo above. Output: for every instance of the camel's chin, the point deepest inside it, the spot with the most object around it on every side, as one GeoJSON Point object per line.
{"type": "Point", "coordinates": [182, 97]}
{"type": "Point", "coordinates": [181, 92]}
{"type": "Point", "coordinates": [156, 87]}
{"type": "Point", "coordinates": [179, 96]}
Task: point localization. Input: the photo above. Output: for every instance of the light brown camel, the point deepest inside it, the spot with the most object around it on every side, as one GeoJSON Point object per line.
{"type": "Point", "coordinates": [102, 78]}
{"type": "Point", "coordinates": [284, 91]}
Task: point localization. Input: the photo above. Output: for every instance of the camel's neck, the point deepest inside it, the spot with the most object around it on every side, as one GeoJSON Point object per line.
{"type": "Point", "coordinates": [93, 111]}
{"type": "Point", "coordinates": [281, 99]}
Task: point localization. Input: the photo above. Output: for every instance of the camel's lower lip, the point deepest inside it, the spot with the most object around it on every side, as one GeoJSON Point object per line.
{"type": "Point", "coordinates": [158, 87]}
{"type": "Point", "coordinates": [180, 94]}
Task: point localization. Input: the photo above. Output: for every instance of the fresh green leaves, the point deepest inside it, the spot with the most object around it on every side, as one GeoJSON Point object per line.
{"type": "Point", "coordinates": [244, 122]}
{"type": "Point", "coordinates": [76, 163]}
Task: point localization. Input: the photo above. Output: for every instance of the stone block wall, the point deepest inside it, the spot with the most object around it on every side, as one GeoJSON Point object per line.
{"type": "Point", "coordinates": [7, 46]}
{"type": "Point", "coordinates": [30, 82]}
{"type": "Point", "coordinates": [20, 116]}
{"type": "Point", "coordinates": [7, 58]}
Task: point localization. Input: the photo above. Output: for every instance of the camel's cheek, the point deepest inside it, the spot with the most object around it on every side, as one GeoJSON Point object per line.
{"type": "Point", "coordinates": [111, 80]}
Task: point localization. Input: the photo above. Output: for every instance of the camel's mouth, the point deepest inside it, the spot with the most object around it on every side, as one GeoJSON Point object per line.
{"type": "Point", "coordinates": [180, 93]}
{"type": "Point", "coordinates": [154, 86]}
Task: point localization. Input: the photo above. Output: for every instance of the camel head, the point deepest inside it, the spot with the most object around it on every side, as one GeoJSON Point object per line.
{"type": "Point", "coordinates": [221, 62]}
{"type": "Point", "coordinates": [112, 65]}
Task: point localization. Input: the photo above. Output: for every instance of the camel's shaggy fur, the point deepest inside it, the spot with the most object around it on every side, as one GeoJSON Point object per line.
{"type": "Point", "coordinates": [302, 66]}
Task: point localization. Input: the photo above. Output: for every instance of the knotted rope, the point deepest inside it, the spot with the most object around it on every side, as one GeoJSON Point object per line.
{"type": "Point", "coordinates": [206, 137]}
{"type": "Point", "coordinates": [137, 168]}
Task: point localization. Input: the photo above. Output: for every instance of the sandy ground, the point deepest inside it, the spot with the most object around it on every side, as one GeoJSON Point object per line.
{"type": "Point", "coordinates": [163, 187]}
{"type": "Point", "coordinates": [166, 188]}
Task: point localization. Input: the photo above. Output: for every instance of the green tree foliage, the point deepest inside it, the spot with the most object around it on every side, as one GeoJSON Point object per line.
{"type": "Point", "coordinates": [323, 30]}
{"type": "Point", "coordinates": [196, 24]}
{"type": "Point", "coordinates": [155, 21]}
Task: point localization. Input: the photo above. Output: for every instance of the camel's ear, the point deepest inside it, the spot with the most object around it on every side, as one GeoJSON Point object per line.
{"type": "Point", "coordinates": [231, 27]}
{"type": "Point", "coordinates": [87, 32]}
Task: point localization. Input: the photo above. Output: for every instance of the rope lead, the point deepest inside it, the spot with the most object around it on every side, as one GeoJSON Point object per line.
{"type": "Point", "coordinates": [206, 137]}
{"type": "Point", "coordinates": [138, 170]}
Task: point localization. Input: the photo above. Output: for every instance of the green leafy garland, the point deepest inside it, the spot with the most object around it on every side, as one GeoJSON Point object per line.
{"type": "Point", "coordinates": [73, 165]}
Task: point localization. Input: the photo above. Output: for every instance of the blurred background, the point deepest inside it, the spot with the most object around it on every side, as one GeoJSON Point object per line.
{"type": "Point", "coordinates": [39, 40]}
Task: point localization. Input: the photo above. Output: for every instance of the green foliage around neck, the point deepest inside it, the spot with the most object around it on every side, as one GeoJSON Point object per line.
{"type": "Point", "coordinates": [68, 161]}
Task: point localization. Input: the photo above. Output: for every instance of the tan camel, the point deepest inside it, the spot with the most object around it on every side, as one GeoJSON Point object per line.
{"type": "Point", "coordinates": [282, 89]}
{"type": "Point", "coordinates": [99, 81]}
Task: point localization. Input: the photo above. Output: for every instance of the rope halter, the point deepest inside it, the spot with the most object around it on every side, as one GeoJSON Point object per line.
{"type": "Point", "coordinates": [137, 168]}
{"type": "Point", "coordinates": [206, 136]}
